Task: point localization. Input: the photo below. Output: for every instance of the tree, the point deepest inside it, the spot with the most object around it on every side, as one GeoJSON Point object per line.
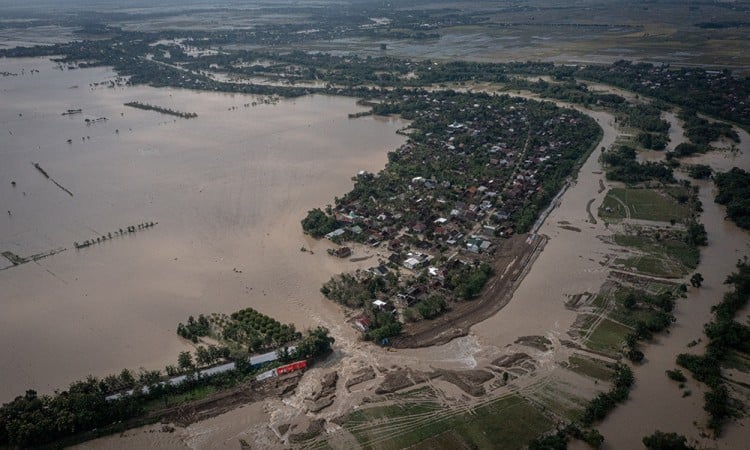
{"type": "Point", "coordinates": [635, 355]}
{"type": "Point", "coordinates": [216, 353]}
{"type": "Point", "coordinates": [557, 441]}
{"type": "Point", "coordinates": [696, 280]}
{"type": "Point", "coordinates": [700, 171]}
{"type": "Point", "coordinates": [317, 223]}
{"type": "Point", "coordinates": [202, 356]}
{"type": "Point", "coordinates": [316, 343]}
{"type": "Point", "coordinates": [185, 360]}
{"type": "Point", "coordinates": [629, 301]}
{"type": "Point", "coordinates": [696, 234]}
{"type": "Point", "coordinates": [284, 355]}
{"type": "Point", "coordinates": [593, 438]}
{"type": "Point", "coordinates": [666, 441]}
{"type": "Point", "coordinates": [126, 378]}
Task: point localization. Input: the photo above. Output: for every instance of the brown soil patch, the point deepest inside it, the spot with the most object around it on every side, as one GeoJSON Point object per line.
{"type": "Point", "coordinates": [511, 360]}
{"type": "Point", "coordinates": [360, 376]}
{"type": "Point", "coordinates": [537, 342]}
{"type": "Point", "coordinates": [401, 379]}
{"type": "Point", "coordinates": [512, 259]}
{"type": "Point", "coordinates": [469, 381]}
{"type": "Point", "coordinates": [314, 429]}
{"type": "Point", "coordinates": [324, 396]}
{"type": "Point", "coordinates": [221, 402]}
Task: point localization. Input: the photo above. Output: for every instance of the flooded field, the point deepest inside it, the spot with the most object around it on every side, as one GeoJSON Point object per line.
{"type": "Point", "coordinates": [654, 392]}
{"type": "Point", "coordinates": [227, 189]}
{"type": "Point", "coordinates": [575, 262]}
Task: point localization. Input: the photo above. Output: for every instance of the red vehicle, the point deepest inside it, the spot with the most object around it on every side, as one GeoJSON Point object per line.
{"type": "Point", "coordinates": [292, 367]}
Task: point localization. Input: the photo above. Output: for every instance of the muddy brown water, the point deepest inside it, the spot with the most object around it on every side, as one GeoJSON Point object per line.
{"type": "Point", "coordinates": [218, 222]}
{"type": "Point", "coordinates": [656, 402]}
{"type": "Point", "coordinates": [228, 189]}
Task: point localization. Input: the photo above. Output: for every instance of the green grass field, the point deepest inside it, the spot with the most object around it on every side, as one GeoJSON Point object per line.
{"type": "Point", "coordinates": [608, 337]}
{"type": "Point", "coordinates": [590, 367]}
{"type": "Point", "coordinates": [198, 393]}
{"type": "Point", "coordinates": [668, 257]}
{"type": "Point", "coordinates": [510, 422]}
{"type": "Point", "coordinates": [644, 204]}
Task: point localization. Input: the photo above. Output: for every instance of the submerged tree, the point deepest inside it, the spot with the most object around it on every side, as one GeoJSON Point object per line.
{"type": "Point", "coordinates": [696, 280]}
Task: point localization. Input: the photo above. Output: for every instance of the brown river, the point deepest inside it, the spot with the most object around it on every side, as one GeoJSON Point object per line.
{"type": "Point", "coordinates": [228, 190]}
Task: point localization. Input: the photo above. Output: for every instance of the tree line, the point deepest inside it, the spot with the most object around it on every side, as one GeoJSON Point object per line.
{"type": "Point", "coordinates": [734, 193]}
{"type": "Point", "coordinates": [725, 336]}
{"type": "Point", "coordinates": [87, 408]}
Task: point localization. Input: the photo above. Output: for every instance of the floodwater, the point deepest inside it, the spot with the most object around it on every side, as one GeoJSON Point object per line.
{"type": "Point", "coordinates": [228, 190]}
{"type": "Point", "coordinates": [655, 402]}
{"type": "Point", "coordinates": [568, 265]}
{"type": "Point", "coordinates": [571, 264]}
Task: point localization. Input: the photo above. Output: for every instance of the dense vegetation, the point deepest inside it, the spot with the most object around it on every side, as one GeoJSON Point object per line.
{"type": "Point", "coordinates": [160, 109]}
{"type": "Point", "coordinates": [666, 441]}
{"type": "Point", "coordinates": [602, 404]}
{"type": "Point", "coordinates": [700, 171]}
{"type": "Point", "coordinates": [467, 281]}
{"type": "Point", "coordinates": [652, 141]}
{"type": "Point", "coordinates": [559, 440]}
{"type": "Point", "coordinates": [716, 94]}
{"type": "Point", "coordinates": [734, 193]}
{"type": "Point", "coordinates": [702, 132]}
{"type": "Point", "coordinates": [725, 335]}
{"type": "Point", "coordinates": [32, 420]}
{"type": "Point", "coordinates": [87, 409]}
{"type": "Point", "coordinates": [258, 331]}
{"type": "Point", "coordinates": [687, 149]}
{"type": "Point", "coordinates": [621, 165]}
{"type": "Point", "coordinates": [357, 289]}
{"type": "Point", "coordinates": [646, 313]}
{"type": "Point", "coordinates": [317, 223]}
{"type": "Point", "coordinates": [247, 329]}
{"type": "Point", "coordinates": [194, 329]}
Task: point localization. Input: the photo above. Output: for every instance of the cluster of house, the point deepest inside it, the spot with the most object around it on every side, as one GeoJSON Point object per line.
{"type": "Point", "coordinates": [730, 90]}
{"type": "Point", "coordinates": [477, 173]}
{"type": "Point", "coordinates": [441, 212]}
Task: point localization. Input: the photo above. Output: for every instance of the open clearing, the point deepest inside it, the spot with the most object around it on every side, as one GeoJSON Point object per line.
{"type": "Point", "coordinates": [644, 204]}
{"type": "Point", "coordinates": [608, 337]}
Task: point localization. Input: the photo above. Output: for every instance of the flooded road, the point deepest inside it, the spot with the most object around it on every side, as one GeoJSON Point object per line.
{"type": "Point", "coordinates": [228, 190]}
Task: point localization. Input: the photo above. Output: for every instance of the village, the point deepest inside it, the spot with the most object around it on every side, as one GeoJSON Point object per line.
{"type": "Point", "coordinates": [446, 201]}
